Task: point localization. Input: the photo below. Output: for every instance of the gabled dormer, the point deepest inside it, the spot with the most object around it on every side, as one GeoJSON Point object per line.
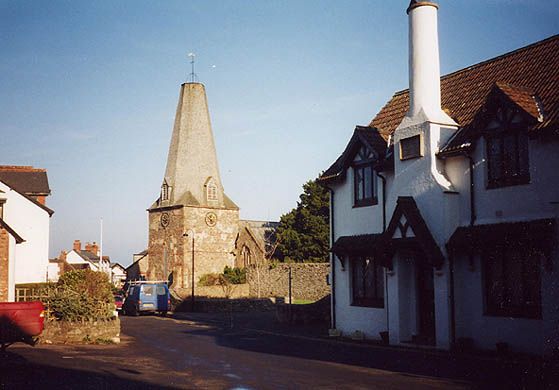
{"type": "Point", "coordinates": [363, 155]}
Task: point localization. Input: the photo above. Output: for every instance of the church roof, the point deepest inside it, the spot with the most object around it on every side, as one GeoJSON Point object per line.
{"type": "Point", "coordinates": [532, 68]}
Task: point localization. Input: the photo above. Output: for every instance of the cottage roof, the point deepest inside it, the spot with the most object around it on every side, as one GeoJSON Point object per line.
{"type": "Point", "coordinates": [25, 179]}
{"type": "Point", "coordinates": [29, 198]}
{"type": "Point", "coordinates": [532, 68]}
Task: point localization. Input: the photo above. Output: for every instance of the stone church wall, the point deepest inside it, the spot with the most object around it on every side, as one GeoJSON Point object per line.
{"type": "Point", "coordinates": [214, 246]}
{"type": "Point", "coordinates": [308, 280]}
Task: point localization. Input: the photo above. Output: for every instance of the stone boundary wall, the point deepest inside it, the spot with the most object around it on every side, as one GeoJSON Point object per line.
{"type": "Point", "coordinates": [86, 332]}
{"type": "Point", "coordinates": [308, 280]}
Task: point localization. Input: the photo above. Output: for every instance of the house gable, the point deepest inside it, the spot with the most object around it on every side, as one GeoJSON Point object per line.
{"type": "Point", "coordinates": [408, 228]}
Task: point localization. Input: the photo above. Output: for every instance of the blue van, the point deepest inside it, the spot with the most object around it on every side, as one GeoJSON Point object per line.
{"type": "Point", "coordinates": [147, 296]}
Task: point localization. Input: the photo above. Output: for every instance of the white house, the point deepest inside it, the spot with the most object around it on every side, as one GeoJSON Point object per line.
{"type": "Point", "coordinates": [27, 220]}
{"type": "Point", "coordinates": [88, 258]}
{"type": "Point", "coordinates": [444, 208]}
{"type": "Point", "coordinates": [118, 274]}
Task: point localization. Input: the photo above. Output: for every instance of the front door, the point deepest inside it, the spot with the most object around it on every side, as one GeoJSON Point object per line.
{"type": "Point", "coordinates": [425, 303]}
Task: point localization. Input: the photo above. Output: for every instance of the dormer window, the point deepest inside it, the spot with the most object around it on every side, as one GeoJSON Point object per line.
{"type": "Point", "coordinates": [507, 150]}
{"type": "Point", "coordinates": [211, 190]}
{"type": "Point", "coordinates": [364, 179]}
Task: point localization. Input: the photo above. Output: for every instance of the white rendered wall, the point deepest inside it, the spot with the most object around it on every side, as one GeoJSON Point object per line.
{"type": "Point", "coordinates": [507, 204]}
{"type": "Point", "coordinates": [350, 221]}
{"type": "Point", "coordinates": [12, 248]}
{"type": "Point", "coordinates": [31, 222]}
{"type": "Point", "coordinates": [522, 334]}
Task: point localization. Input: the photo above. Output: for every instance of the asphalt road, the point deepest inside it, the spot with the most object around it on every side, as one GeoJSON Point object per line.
{"type": "Point", "coordinates": [173, 353]}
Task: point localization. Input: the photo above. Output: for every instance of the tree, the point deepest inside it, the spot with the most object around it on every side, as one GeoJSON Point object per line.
{"type": "Point", "coordinates": [303, 232]}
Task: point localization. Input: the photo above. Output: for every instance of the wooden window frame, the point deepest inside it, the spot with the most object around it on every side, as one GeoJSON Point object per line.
{"type": "Point", "coordinates": [528, 258]}
{"type": "Point", "coordinates": [377, 300]}
{"type": "Point", "coordinates": [359, 171]}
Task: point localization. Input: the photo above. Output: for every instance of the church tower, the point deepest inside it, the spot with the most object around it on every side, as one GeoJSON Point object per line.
{"type": "Point", "coordinates": [193, 224]}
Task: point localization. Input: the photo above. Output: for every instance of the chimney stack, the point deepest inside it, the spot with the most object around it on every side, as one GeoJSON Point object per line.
{"type": "Point", "coordinates": [424, 66]}
{"type": "Point", "coordinates": [77, 245]}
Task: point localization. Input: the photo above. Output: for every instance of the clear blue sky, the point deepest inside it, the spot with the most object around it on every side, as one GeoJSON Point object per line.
{"type": "Point", "coordinates": [89, 91]}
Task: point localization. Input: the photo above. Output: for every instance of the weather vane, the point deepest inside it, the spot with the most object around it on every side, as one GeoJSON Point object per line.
{"type": "Point", "coordinates": [192, 75]}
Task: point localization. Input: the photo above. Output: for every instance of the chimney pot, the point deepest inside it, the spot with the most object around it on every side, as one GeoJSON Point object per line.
{"type": "Point", "coordinates": [77, 245]}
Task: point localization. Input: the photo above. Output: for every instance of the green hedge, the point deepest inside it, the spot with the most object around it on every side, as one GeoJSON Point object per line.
{"type": "Point", "coordinates": [81, 295]}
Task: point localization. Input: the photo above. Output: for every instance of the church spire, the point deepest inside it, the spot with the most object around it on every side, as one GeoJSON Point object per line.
{"type": "Point", "coordinates": [192, 174]}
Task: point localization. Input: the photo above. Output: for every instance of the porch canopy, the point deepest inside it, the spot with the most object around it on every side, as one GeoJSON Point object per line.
{"type": "Point", "coordinates": [408, 230]}
{"type": "Point", "coordinates": [537, 233]}
{"type": "Point", "coordinates": [360, 245]}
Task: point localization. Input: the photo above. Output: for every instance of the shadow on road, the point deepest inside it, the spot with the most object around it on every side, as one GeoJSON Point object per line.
{"type": "Point", "coordinates": [16, 372]}
{"type": "Point", "coordinates": [482, 372]}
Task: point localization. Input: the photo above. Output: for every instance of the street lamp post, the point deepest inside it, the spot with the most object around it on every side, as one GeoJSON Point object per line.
{"type": "Point", "coordinates": [192, 299]}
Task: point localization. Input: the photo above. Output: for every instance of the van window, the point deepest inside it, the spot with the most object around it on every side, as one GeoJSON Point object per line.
{"type": "Point", "coordinates": [161, 290]}
{"type": "Point", "coordinates": [148, 290]}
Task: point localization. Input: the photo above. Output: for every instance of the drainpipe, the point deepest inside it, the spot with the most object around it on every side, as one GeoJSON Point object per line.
{"type": "Point", "coordinates": [450, 253]}
{"type": "Point", "coordinates": [472, 190]}
{"type": "Point", "coordinates": [383, 230]}
{"type": "Point", "coordinates": [383, 201]}
{"type": "Point", "coordinates": [332, 263]}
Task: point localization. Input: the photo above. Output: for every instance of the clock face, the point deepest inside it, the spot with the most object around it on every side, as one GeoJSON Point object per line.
{"type": "Point", "coordinates": [165, 219]}
{"type": "Point", "coordinates": [211, 219]}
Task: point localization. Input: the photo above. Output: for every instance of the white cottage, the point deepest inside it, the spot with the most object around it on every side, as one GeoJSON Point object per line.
{"type": "Point", "coordinates": [24, 220]}
{"type": "Point", "coordinates": [444, 209]}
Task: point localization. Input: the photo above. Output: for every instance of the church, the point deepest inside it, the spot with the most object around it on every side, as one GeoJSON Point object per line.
{"type": "Point", "coordinates": [194, 227]}
{"type": "Point", "coordinates": [444, 208]}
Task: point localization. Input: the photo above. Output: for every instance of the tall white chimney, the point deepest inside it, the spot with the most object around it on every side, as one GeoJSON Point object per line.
{"type": "Point", "coordinates": [424, 67]}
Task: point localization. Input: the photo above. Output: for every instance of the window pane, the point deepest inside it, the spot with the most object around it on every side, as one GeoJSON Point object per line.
{"type": "Point", "coordinates": [410, 147]}
{"type": "Point", "coordinates": [379, 281]}
{"type": "Point", "coordinates": [532, 286]}
{"type": "Point", "coordinates": [513, 278]}
{"type": "Point", "coordinates": [368, 182]}
{"type": "Point", "coordinates": [494, 281]}
{"type": "Point", "coordinates": [510, 153]}
{"type": "Point", "coordinates": [523, 165]}
{"type": "Point", "coordinates": [369, 278]}
{"type": "Point", "coordinates": [494, 158]}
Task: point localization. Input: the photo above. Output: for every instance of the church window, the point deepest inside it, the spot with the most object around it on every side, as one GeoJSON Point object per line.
{"type": "Point", "coordinates": [245, 254]}
{"type": "Point", "coordinates": [165, 191]}
{"type": "Point", "coordinates": [367, 282]}
{"type": "Point", "coordinates": [512, 281]}
{"type": "Point", "coordinates": [410, 147]}
{"type": "Point", "coordinates": [507, 151]}
{"type": "Point", "coordinates": [364, 179]}
{"type": "Point", "coordinates": [211, 190]}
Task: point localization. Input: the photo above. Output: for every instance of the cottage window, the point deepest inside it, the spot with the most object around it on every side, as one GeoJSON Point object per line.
{"type": "Point", "coordinates": [364, 179]}
{"type": "Point", "coordinates": [367, 282]}
{"type": "Point", "coordinates": [507, 150]}
{"type": "Point", "coordinates": [2, 201]}
{"type": "Point", "coordinates": [512, 281]}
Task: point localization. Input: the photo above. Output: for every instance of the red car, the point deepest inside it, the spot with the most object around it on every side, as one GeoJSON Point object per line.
{"type": "Point", "coordinates": [20, 321]}
{"type": "Point", "coordinates": [119, 299]}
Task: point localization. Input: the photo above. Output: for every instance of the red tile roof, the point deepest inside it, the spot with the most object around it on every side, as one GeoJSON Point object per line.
{"type": "Point", "coordinates": [532, 68]}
